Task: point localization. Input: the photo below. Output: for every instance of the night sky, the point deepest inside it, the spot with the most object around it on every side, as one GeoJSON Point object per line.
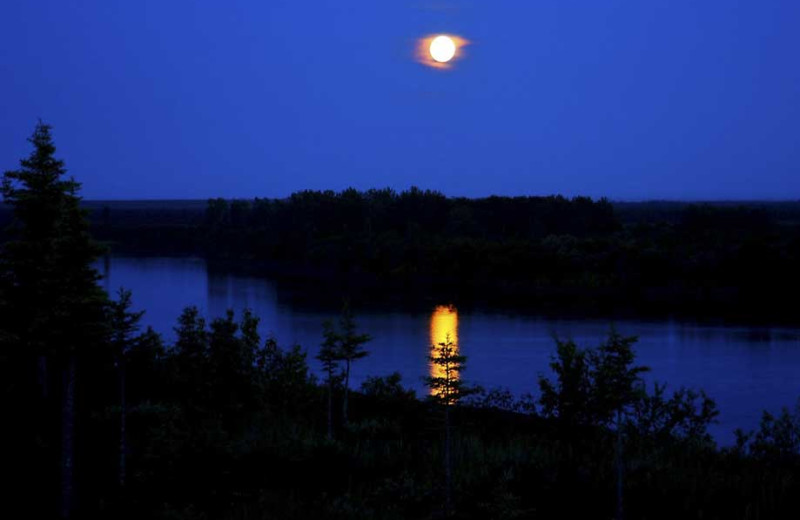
{"type": "Point", "coordinates": [635, 99]}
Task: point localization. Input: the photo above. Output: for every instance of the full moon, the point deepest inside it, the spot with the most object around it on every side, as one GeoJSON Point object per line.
{"type": "Point", "coordinates": [443, 49]}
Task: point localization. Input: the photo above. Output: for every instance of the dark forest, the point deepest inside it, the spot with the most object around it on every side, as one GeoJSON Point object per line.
{"type": "Point", "coordinates": [106, 420]}
{"type": "Point", "coordinates": [715, 261]}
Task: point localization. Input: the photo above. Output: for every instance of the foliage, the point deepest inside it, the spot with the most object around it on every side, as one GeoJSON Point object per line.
{"type": "Point", "coordinates": [685, 416]}
{"type": "Point", "coordinates": [328, 353]}
{"type": "Point", "coordinates": [123, 322]}
{"type": "Point", "coordinates": [388, 388]}
{"type": "Point", "coordinates": [345, 345]}
{"type": "Point", "coordinates": [350, 341]}
{"type": "Point", "coordinates": [550, 253]}
{"type": "Point", "coordinates": [570, 396]}
{"type": "Point", "coordinates": [591, 386]}
{"type": "Point", "coordinates": [777, 438]}
{"type": "Point", "coordinates": [54, 303]}
{"type": "Point", "coordinates": [447, 387]}
{"type": "Point", "coordinates": [55, 348]}
{"type": "Point", "coordinates": [501, 399]}
{"type": "Point", "coordinates": [286, 381]}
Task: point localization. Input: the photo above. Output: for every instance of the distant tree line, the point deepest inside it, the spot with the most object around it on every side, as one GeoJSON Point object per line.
{"type": "Point", "coordinates": [723, 260]}
{"type": "Point", "coordinates": [551, 254]}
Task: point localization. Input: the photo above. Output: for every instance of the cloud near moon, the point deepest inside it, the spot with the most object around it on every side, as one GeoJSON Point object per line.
{"type": "Point", "coordinates": [422, 52]}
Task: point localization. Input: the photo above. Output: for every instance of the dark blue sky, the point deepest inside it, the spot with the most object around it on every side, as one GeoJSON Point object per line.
{"type": "Point", "coordinates": [634, 99]}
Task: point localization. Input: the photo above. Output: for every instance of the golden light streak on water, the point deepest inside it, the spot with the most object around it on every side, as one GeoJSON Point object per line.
{"type": "Point", "coordinates": [444, 326]}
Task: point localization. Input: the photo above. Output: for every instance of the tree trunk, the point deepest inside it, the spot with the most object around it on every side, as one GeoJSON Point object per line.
{"type": "Point", "coordinates": [619, 465]}
{"type": "Point", "coordinates": [68, 439]}
{"type": "Point", "coordinates": [346, 392]}
{"type": "Point", "coordinates": [106, 272]}
{"type": "Point", "coordinates": [41, 375]}
{"type": "Point", "coordinates": [123, 422]}
{"type": "Point", "coordinates": [330, 405]}
{"type": "Point", "coordinates": [447, 463]}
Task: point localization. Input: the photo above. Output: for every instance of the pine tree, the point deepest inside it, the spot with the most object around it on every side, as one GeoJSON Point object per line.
{"type": "Point", "coordinates": [328, 356]}
{"type": "Point", "coordinates": [447, 389]}
{"type": "Point", "coordinates": [350, 349]}
{"type": "Point", "coordinates": [232, 352]}
{"type": "Point", "coordinates": [124, 328]}
{"type": "Point", "coordinates": [189, 362]}
{"type": "Point", "coordinates": [55, 313]}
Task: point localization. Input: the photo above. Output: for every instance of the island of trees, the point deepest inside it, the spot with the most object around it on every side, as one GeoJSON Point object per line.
{"type": "Point", "coordinates": [105, 420]}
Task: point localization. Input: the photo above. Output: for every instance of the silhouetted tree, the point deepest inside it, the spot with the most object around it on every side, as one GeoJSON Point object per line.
{"type": "Point", "coordinates": [232, 352]}
{"type": "Point", "coordinates": [144, 368]}
{"type": "Point", "coordinates": [446, 390]}
{"type": "Point", "coordinates": [124, 328]}
{"type": "Point", "coordinates": [617, 387]}
{"type": "Point", "coordinates": [685, 416]}
{"type": "Point", "coordinates": [568, 397]}
{"type": "Point", "coordinates": [287, 380]}
{"type": "Point", "coordinates": [55, 310]}
{"type": "Point", "coordinates": [328, 355]}
{"type": "Point", "coordinates": [387, 388]}
{"type": "Point", "coordinates": [189, 363]}
{"type": "Point", "coordinates": [777, 439]}
{"type": "Point", "coordinates": [593, 388]}
{"type": "Point", "coordinates": [349, 349]}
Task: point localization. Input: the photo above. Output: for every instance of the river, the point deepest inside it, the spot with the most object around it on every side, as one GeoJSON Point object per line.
{"type": "Point", "coordinates": [744, 369]}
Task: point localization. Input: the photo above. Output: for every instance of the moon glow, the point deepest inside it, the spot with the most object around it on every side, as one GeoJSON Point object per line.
{"type": "Point", "coordinates": [442, 49]}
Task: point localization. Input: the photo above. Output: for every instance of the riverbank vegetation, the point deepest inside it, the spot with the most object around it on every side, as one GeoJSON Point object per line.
{"type": "Point", "coordinates": [105, 420]}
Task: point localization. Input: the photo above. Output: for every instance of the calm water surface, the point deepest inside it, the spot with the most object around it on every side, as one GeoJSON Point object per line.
{"type": "Point", "coordinates": [746, 370]}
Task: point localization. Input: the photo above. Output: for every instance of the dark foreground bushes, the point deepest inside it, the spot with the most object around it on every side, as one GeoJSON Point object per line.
{"type": "Point", "coordinates": [223, 425]}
